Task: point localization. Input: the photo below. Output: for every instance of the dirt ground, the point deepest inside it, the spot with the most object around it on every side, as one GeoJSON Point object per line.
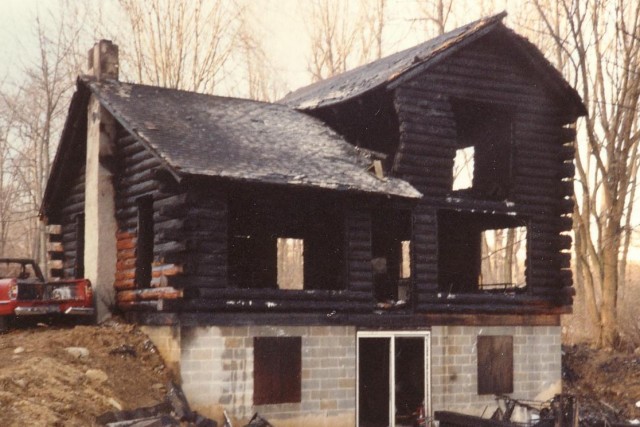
{"type": "Point", "coordinates": [606, 383]}
{"type": "Point", "coordinates": [44, 383]}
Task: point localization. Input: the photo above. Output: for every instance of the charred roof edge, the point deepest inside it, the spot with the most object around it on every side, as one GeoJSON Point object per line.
{"type": "Point", "coordinates": [127, 126]}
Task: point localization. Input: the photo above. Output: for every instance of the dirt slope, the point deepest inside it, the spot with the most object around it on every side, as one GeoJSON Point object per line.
{"type": "Point", "coordinates": [44, 383]}
{"type": "Point", "coordinates": [607, 384]}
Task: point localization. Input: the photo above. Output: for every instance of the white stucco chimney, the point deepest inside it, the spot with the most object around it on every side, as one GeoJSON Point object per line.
{"type": "Point", "coordinates": [103, 60]}
{"type": "Point", "coordinates": [100, 254]}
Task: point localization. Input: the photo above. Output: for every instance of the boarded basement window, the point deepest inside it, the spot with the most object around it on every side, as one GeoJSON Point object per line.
{"type": "Point", "coordinates": [277, 366]}
{"type": "Point", "coordinates": [144, 246]}
{"type": "Point", "coordinates": [495, 364]}
{"type": "Point", "coordinates": [290, 263]}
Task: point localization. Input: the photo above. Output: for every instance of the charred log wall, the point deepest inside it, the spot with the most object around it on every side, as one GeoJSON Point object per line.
{"type": "Point", "coordinates": [229, 261]}
{"type": "Point", "coordinates": [541, 189]}
{"type": "Point", "coordinates": [70, 213]}
{"type": "Point", "coordinates": [137, 176]}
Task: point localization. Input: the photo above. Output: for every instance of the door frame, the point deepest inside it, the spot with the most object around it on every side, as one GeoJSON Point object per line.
{"type": "Point", "coordinates": [392, 335]}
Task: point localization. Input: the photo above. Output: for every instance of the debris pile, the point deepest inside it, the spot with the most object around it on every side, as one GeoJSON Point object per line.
{"type": "Point", "coordinates": [605, 383]}
{"type": "Point", "coordinates": [173, 411]}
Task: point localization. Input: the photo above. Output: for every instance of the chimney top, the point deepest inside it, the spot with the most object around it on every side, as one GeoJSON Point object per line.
{"type": "Point", "coordinates": [103, 60]}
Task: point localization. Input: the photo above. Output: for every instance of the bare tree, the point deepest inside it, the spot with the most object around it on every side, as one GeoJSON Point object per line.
{"type": "Point", "coordinates": [8, 190]}
{"type": "Point", "coordinates": [374, 18]}
{"type": "Point", "coordinates": [180, 44]}
{"type": "Point", "coordinates": [436, 15]}
{"type": "Point", "coordinates": [257, 77]}
{"type": "Point", "coordinates": [37, 108]}
{"type": "Point", "coordinates": [344, 35]}
{"type": "Point", "coordinates": [600, 40]}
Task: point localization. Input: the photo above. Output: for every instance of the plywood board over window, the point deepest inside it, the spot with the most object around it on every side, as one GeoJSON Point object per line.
{"type": "Point", "coordinates": [495, 364]}
{"type": "Point", "coordinates": [277, 365]}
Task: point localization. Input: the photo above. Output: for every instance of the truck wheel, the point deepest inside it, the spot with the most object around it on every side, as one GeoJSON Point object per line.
{"type": "Point", "coordinates": [4, 323]}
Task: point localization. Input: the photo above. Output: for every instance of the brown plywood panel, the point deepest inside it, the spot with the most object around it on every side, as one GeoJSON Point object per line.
{"type": "Point", "coordinates": [495, 364]}
{"type": "Point", "coordinates": [277, 366]}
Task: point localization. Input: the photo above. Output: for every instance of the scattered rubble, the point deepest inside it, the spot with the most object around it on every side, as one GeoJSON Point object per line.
{"type": "Point", "coordinates": [173, 411]}
{"type": "Point", "coordinates": [72, 375]}
{"type": "Point", "coordinates": [606, 384]}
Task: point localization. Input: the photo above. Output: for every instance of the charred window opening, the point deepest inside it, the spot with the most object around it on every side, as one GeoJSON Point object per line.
{"type": "Point", "coordinates": [463, 165]}
{"type": "Point", "coordinates": [79, 264]}
{"type": "Point", "coordinates": [290, 263]}
{"type": "Point", "coordinates": [289, 244]}
{"type": "Point", "coordinates": [144, 246]}
{"type": "Point", "coordinates": [495, 364]}
{"type": "Point", "coordinates": [504, 253]}
{"type": "Point", "coordinates": [484, 156]}
{"type": "Point", "coordinates": [391, 250]}
{"type": "Point", "coordinates": [373, 126]}
{"type": "Point", "coordinates": [277, 370]}
{"type": "Point", "coordinates": [481, 252]}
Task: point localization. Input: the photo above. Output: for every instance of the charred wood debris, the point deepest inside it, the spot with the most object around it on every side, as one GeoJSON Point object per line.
{"type": "Point", "coordinates": [563, 410]}
{"type": "Point", "coordinates": [173, 411]}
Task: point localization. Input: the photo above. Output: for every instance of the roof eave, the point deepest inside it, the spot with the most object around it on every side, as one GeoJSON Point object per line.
{"type": "Point", "coordinates": [410, 193]}
{"type": "Point", "coordinates": [76, 106]}
{"type": "Point", "coordinates": [177, 175]}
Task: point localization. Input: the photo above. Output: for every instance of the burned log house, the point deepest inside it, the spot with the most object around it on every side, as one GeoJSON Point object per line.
{"type": "Point", "coordinates": [322, 260]}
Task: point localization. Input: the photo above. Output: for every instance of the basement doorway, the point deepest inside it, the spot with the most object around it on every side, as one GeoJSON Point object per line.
{"type": "Point", "coordinates": [393, 378]}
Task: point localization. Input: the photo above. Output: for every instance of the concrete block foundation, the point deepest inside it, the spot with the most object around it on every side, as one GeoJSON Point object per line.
{"type": "Point", "coordinates": [215, 365]}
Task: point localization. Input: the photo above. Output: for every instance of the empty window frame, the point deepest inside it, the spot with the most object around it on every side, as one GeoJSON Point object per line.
{"type": "Point", "coordinates": [144, 245]}
{"type": "Point", "coordinates": [503, 256]}
{"type": "Point", "coordinates": [290, 263]}
{"type": "Point", "coordinates": [79, 261]}
{"type": "Point", "coordinates": [495, 364]}
{"type": "Point", "coordinates": [481, 252]}
{"type": "Point", "coordinates": [277, 370]}
{"type": "Point", "coordinates": [391, 250]}
{"type": "Point", "coordinates": [463, 165]}
{"type": "Point", "coordinates": [484, 157]}
{"type": "Point", "coordinates": [289, 245]}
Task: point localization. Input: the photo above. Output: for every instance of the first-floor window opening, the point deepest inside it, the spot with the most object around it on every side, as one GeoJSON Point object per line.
{"type": "Point", "coordinates": [144, 245]}
{"type": "Point", "coordinates": [504, 253]}
{"type": "Point", "coordinates": [391, 249]}
{"type": "Point", "coordinates": [288, 244]}
{"type": "Point", "coordinates": [481, 252]}
{"type": "Point", "coordinates": [290, 263]}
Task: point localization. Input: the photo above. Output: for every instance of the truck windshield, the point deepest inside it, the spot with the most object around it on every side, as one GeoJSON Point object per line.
{"type": "Point", "coordinates": [16, 269]}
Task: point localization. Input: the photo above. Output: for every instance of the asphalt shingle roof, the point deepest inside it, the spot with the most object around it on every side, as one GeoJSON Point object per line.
{"type": "Point", "coordinates": [387, 70]}
{"type": "Point", "coordinates": [196, 134]}
{"type": "Point", "coordinates": [377, 73]}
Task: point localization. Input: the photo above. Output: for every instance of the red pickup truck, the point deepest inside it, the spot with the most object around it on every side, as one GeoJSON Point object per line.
{"type": "Point", "coordinates": [24, 292]}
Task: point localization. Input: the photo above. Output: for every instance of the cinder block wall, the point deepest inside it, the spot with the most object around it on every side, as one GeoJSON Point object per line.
{"type": "Point", "coordinates": [167, 341]}
{"type": "Point", "coordinates": [536, 358]}
{"type": "Point", "coordinates": [217, 374]}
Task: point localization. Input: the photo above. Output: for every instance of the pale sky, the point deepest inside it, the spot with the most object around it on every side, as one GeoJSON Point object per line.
{"type": "Point", "coordinates": [285, 33]}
